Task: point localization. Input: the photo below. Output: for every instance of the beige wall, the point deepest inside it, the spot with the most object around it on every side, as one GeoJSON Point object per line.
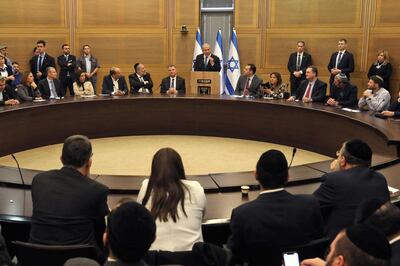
{"type": "Point", "coordinates": [123, 32]}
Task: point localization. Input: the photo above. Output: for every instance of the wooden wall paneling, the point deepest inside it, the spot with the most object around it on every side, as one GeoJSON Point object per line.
{"type": "Point", "coordinates": [246, 13]}
{"type": "Point", "coordinates": [187, 13]}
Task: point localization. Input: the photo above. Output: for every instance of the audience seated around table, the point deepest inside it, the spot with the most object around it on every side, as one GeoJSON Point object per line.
{"type": "Point", "coordinates": [386, 217]}
{"type": "Point", "coordinates": [350, 183]}
{"type": "Point", "coordinates": [356, 245]}
{"type": "Point", "coordinates": [177, 204]}
{"type": "Point", "coordinates": [375, 98]}
{"type": "Point", "coordinates": [28, 90]}
{"type": "Point", "coordinates": [276, 218]}
{"type": "Point", "coordinates": [68, 206]}
{"type": "Point", "coordinates": [130, 232]}
{"type": "Point", "coordinates": [342, 92]}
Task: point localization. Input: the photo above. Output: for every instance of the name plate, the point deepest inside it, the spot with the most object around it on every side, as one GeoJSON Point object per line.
{"type": "Point", "coordinates": [204, 81]}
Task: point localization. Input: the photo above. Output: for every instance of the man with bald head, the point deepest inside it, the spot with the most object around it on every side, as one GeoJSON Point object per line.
{"type": "Point", "coordinates": [50, 87]}
{"type": "Point", "coordinates": [114, 83]}
{"type": "Point", "coordinates": [207, 61]}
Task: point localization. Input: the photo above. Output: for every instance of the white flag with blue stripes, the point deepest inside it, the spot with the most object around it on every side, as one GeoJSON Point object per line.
{"type": "Point", "coordinates": [197, 47]}
{"type": "Point", "coordinates": [233, 66]}
{"type": "Point", "coordinates": [218, 51]}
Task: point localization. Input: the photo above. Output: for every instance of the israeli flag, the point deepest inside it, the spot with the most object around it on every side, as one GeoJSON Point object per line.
{"type": "Point", "coordinates": [233, 66]}
{"type": "Point", "coordinates": [218, 51]}
{"type": "Point", "coordinates": [197, 47]}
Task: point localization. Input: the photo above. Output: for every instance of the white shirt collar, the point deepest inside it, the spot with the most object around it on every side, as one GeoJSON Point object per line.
{"type": "Point", "coordinates": [397, 238]}
{"type": "Point", "coordinates": [271, 190]}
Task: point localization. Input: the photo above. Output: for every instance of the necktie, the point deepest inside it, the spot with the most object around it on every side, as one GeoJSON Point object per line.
{"type": "Point", "coordinates": [339, 58]}
{"type": "Point", "coordinates": [308, 91]}
{"type": "Point", "coordinates": [40, 61]}
{"type": "Point", "coordinates": [206, 61]}
{"type": "Point", "coordinates": [53, 93]}
{"type": "Point", "coordinates": [246, 88]}
{"type": "Point", "coordinates": [298, 62]}
{"type": "Point", "coordinates": [172, 83]}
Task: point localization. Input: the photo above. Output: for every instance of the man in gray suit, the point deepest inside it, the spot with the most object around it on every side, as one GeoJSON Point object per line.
{"type": "Point", "coordinates": [248, 83]}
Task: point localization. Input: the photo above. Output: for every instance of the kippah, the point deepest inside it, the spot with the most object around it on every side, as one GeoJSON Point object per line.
{"type": "Point", "coordinates": [359, 149]}
{"type": "Point", "coordinates": [370, 240]}
{"type": "Point", "coordinates": [274, 163]}
{"type": "Point", "coordinates": [342, 77]}
{"type": "Point", "coordinates": [367, 208]}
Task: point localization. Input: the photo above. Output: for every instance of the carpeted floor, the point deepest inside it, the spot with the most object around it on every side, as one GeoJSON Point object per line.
{"type": "Point", "coordinates": [132, 155]}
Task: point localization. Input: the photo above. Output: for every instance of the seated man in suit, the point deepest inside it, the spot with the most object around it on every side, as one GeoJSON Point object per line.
{"type": "Point", "coordinates": [39, 63]}
{"type": "Point", "coordinates": [375, 98]}
{"type": "Point", "coordinates": [114, 83]}
{"type": "Point", "coordinates": [312, 89]}
{"type": "Point", "coordinates": [356, 245]}
{"type": "Point", "coordinates": [50, 88]}
{"type": "Point", "coordinates": [68, 206]}
{"type": "Point", "coordinates": [249, 84]}
{"type": "Point", "coordinates": [207, 61]}
{"type": "Point", "coordinates": [297, 65]}
{"type": "Point", "coordinates": [341, 61]}
{"type": "Point", "coordinates": [394, 109]}
{"type": "Point", "coordinates": [274, 218]}
{"type": "Point", "coordinates": [352, 182]}
{"type": "Point", "coordinates": [7, 95]}
{"type": "Point", "coordinates": [343, 93]}
{"type": "Point", "coordinates": [130, 232]}
{"type": "Point", "coordinates": [140, 81]}
{"type": "Point", "coordinates": [173, 84]}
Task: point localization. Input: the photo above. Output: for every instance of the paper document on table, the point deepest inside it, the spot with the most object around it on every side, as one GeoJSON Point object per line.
{"type": "Point", "coordinates": [351, 110]}
{"type": "Point", "coordinates": [237, 96]}
{"type": "Point", "coordinates": [394, 192]}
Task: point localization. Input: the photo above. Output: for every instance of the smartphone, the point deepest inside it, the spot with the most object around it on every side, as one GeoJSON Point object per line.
{"type": "Point", "coordinates": [291, 259]}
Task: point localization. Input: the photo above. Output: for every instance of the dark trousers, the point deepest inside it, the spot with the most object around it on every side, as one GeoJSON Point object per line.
{"type": "Point", "coordinates": [67, 83]}
{"type": "Point", "coordinates": [295, 83]}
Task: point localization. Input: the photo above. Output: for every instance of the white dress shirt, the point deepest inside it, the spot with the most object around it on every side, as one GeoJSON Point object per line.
{"type": "Point", "coordinates": [52, 87]}
{"type": "Point", "coordinates": [4, 72]}
{"type": "Point", "coordinates": [115, 85]}
{"type": "Point", "coordinates": [88, 64]}
{"type": "Point", "coordinates": [180, 236]}
{"type": "Point", "coordinates": [337, 57]}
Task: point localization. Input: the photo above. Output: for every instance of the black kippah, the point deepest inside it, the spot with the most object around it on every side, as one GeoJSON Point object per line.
{"type": "Point", "coordinates": [370, 240]}
{"type": "Point", "coordinates": [274, 163]}
{"type": "Point", "coordinates": [359, 149]}
{"type": "Point", "coordinates": [367, 208]}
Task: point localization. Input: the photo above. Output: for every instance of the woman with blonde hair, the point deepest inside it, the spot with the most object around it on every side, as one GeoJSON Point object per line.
{"type": "Point", "coordinates": [381, 67]}
{"type": "Point", "coordinates": [176, 204]}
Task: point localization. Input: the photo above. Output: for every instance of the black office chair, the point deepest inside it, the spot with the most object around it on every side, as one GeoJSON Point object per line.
{"type": "Point", "coordinates": [261, 255]}
{"type": "Point", "coordinates": [29, 254]}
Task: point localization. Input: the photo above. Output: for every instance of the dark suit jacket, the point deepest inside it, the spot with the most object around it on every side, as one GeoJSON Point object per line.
{"type": "Point", "coordinates": [67, 208]}
{"type": "Point", "coordinates": [180, 85]}
{"type": "Point", "coordinates": [65, 69]}
{"type": "Point", "coordinates": [108, 85]}
{"type": "Point", "coordinates": [44, 88]}
{"type": "Point", "coordinates": [341, 192]}
{"type": "Point", "coordinates": [347, 97]}
{"type": "Point", "coordinates": [120, 263]}
{"type": "Point", "coordinates": [254, 89]}
{"type": "Point", "coordinates": [318, 93]}
{"type": "Point", "coordinates": [48, 61]}
{"type": "Point", "coordinates": [274, 219]}
{"type": "Point", "coordinates": [395, 253]}
{"type": "Point", "coordinates": [346, 64]}
{"type": "Point", "coordinates": [136, 84]}
{"type": "Point", "coordinates": [8, 94]}
{"type": "Point", "coordinates": [199, 64]}
{"type": "Point", "coordinates": [305, 62]}
{"type": "Point", "coordinates": [385, 72]}
{"type": "Point", "coordinates": [395, 107]}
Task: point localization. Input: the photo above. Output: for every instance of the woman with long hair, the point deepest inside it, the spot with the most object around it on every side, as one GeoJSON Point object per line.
{"type": "Point", "coordinates": [82, 86]}
{"type": "Point", "coordinates": [381, 67]}
{"type": "Point", "coordinates": [177, 204]}
{"type": "Point", "coordinates": [28, 90]}
{"type": "Point", "coordinates": [275, 87]}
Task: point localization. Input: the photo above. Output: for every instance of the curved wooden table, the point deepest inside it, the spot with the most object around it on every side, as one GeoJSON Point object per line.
{"type": "Point", "coordinates": [313, 127]}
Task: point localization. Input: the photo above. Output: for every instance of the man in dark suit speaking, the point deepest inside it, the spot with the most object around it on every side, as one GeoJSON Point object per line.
{"type": "Point", "coordinates": [249, 84]}
{"type": "Point", "coordinates": [207, 61]}
{"type": "Point", "coordinates": [312, 89]}
{"type": "Point", "coordinates": [69, 207]}
{"type": "Point", "coordinates": [173, 84]}
{"type": "Point", "coordinates": [275, 217]}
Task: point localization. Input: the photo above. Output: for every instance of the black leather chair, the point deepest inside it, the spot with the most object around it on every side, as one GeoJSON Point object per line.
{"type": "Point", "coordinates": [273, 256]}
{"type": "Point", "coordinates": [29, 254]}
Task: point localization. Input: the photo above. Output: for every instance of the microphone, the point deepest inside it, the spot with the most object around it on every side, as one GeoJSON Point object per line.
{"type": "Point", "coordinates": [19, 169]}
{"type": "Point", "coordinates": [293, 154]}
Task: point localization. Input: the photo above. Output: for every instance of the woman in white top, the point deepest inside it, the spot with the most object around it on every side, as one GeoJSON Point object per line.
{"type": "Point", "coordinates": [82, 86]}
{"type": "Point", "coordinates": [177, 204]}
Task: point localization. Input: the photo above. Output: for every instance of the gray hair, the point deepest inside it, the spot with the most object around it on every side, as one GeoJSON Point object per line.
{"type": "Point", "coordinates": [342, 77]}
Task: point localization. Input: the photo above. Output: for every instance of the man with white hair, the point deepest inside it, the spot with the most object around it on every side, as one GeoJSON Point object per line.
{"type": "Point", "coordinates": [342, 92]}
{"type": "Point", "coordinates": [207, 61]}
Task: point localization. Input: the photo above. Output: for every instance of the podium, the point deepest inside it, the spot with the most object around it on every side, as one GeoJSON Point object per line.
{"type": "Point", "coordinates": [204, 83]}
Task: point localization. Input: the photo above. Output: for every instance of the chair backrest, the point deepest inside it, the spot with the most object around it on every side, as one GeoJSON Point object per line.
{"type": "Point", "coordinates": [271, 256]}
{"type": "Point", "coordinates": [29, 254]}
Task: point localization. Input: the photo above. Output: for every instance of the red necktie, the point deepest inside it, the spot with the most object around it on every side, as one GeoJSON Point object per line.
{"type": "Point", "coordinates": [308, 91]}
{"type": "Point", "coordinates": [246, 88]}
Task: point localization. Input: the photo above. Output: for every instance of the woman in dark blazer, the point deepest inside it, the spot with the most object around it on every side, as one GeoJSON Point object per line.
{"type": "Point", "coordinates": [382, 68]}
{"type": "Point", "coordinates": [27, 90]}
